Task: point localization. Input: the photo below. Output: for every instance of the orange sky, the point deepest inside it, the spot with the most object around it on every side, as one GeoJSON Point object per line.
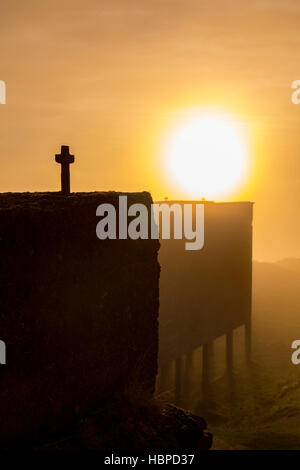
{"type": "Point", "coordinates": [109, 77]}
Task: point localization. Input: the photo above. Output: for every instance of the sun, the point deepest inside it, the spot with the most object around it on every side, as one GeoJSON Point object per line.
{"type": "Point", "coordinates": [206, 155]}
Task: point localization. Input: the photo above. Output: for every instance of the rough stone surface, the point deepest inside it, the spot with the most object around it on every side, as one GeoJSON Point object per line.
{"type": "Point", "coordinates": [134, 425]}
{"type": "Point", "coordinates": [79, 316]}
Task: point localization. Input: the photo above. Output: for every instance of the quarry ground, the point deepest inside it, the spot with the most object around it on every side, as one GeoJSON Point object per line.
{"type": "Point", "coordinates": [259, 408]}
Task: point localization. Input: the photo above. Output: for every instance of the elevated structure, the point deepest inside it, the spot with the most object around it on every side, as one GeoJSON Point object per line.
{"type": "Point", "coordinates": [207, 293]}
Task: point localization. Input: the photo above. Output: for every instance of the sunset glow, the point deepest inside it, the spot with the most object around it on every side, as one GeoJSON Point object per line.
{"type": "Point", "coordinates": [206, 156]}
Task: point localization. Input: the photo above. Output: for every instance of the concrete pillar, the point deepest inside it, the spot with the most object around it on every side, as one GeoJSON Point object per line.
{"type": "Point", "coordinates": [207, 372]}
{"type": "Point", "coordinates": [165, 377]}
{"type": "Point", "coordinates": [229, 353]}
{"type": "Point", "coordinates": [179, 365]}
{"type": "Point", "coordinates": [188, 375]}
{"type": "Point", "coordinates": [248, 340]}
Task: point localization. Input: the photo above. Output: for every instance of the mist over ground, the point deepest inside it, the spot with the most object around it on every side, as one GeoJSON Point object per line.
{"type": "Point", "coordinates": [258, 407]}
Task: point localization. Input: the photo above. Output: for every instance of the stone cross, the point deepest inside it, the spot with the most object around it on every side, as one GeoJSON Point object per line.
{"type": "Point", "coordinates": [64, 158]}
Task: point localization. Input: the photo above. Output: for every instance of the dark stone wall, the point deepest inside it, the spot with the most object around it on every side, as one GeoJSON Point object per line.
{"type": "Point", "coordinates": [79, 316]}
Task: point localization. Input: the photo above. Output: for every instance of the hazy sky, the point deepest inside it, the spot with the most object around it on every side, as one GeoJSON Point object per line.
{"type": "Point", "coordinates": [109, 78]}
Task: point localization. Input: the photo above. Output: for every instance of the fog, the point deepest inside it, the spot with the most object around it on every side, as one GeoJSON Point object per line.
{"type": "Point", "coordinates": [257, 406]}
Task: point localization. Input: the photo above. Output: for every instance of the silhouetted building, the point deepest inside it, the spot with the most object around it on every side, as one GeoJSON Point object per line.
{"type": "Point", "coordinates": [207, 293]}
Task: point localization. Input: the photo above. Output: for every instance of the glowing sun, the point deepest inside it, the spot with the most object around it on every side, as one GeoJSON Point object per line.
{"type": "Point", "coordinates": [206, 155]}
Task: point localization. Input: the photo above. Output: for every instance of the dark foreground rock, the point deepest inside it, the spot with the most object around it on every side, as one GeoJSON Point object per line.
{"type": "Point", "coordinates": [139, 427]}
{"type": "Point", "coordinates": [78, 315]}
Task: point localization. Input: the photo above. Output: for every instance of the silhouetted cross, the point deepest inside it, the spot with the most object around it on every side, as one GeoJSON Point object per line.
{"type": "Point", "coordinates": [64, 158]}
